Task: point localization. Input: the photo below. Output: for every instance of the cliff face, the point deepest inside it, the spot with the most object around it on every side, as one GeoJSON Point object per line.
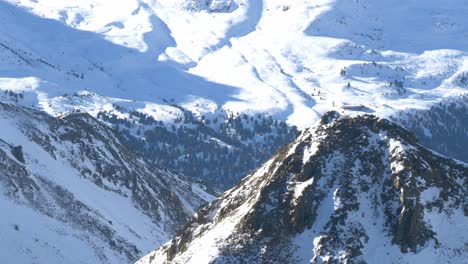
{"type": "Point", "coordinates": [358, 189]}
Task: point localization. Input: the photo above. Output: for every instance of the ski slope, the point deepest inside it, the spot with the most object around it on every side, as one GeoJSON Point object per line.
{"type": "Point", "coordinates": [292, 59]}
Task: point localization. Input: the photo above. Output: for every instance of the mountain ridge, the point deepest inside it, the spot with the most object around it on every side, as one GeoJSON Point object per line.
{"type": "Point", "coordinates": [71, 189]}
{"type": "Point", "coordinates": [291, 61]}
{"type": "Point", "coordinates": [211, 88]}
{"type": "Point", "coordinates": [356, 189]}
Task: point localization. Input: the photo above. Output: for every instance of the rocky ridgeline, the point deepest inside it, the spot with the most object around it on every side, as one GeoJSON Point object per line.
{"type": "Point", "coordinates": [350, 190]}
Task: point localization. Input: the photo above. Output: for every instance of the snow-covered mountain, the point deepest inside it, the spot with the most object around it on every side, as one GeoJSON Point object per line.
{"type": "Point", "coordinates": [293, 59]}
{"type": "Point", "coordinates": [348, 190]}
{"type": "Point", "coordinates": [216, 85]}
{"type": "Point", "coordinates": [71, 192]}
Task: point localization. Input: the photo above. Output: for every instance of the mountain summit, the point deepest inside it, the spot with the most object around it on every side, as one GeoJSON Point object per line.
{"type": "Point", "coordinates": [350, 189]}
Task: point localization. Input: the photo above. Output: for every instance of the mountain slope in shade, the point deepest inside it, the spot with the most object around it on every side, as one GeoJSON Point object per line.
{"type": "Point", "coordinates": [443, 127]}
{"type": "Point", "coordinates": [350, 189]}
{"type": "Point", "coordinates": [70, 192]}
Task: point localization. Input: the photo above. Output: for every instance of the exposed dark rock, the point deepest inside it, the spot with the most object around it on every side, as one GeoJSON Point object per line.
{"type": "Point", "coordinates": [344, 186]}
{"type": "Point", "coordinates": [17, 152]}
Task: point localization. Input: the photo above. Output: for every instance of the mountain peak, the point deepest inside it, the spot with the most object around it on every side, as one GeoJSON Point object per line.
{"type": "Point", "coordinates": [349, 188]}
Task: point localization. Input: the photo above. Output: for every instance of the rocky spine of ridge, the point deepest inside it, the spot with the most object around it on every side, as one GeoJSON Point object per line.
{"type": "Point", "coordinates": [351, 189]}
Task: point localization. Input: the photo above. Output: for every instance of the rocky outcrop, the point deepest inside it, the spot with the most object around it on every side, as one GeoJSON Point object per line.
{"type": "Point", "coordinates": [350, 189]}
{"type": "Point", "coordinates": [17, 152]}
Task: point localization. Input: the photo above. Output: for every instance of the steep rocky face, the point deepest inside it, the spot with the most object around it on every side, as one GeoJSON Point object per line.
{"type": "Point", "coordinates": [350, 189]}
{"type": "Point", "coordinates": [71, 192]}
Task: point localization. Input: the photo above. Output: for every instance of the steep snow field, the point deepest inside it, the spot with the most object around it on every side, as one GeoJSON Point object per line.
{"type": "Point", "coordinates": [293, 59]}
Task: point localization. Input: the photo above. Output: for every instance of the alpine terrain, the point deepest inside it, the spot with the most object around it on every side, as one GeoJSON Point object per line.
{"type": "Point", "coordinates": [120, 120]}
{"type": "Point", "coordinates": [71, 192]}
{"type": "Point", "coordinates": [196, 65]}
{"type": "Point", "coordinates": [350, 190]}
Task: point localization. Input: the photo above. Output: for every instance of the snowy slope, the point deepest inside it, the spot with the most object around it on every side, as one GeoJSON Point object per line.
{"type": "Point", "coordinates": [70, 192]}
{"type": "Point", "coordinates": [293, 59]}
{"type": "Point", "coordinates": [348, 190]}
